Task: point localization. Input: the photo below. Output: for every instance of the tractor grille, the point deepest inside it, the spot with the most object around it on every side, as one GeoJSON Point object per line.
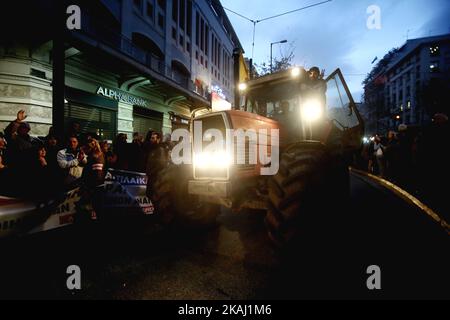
{"type": "Point", "coordinates": [217, 122]}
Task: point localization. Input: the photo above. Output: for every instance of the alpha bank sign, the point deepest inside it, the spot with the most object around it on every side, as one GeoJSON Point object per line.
{"type": "Point", "coordinates": [122, 97]}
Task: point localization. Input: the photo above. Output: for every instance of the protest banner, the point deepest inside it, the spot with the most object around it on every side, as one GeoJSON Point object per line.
{"type": "Point", "coordinates": [127, 190]}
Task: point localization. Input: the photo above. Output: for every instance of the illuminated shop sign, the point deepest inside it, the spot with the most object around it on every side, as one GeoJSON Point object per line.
{"type": "Point", "coordinates": [219, 92]}
{"type": "Point", "coordinates": [219, 104]}
{"type": "Point", "coordinates": [122, 96]}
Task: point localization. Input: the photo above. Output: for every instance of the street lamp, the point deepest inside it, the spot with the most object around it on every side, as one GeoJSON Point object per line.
{"type": "Point", "coordinates": [271, 60]}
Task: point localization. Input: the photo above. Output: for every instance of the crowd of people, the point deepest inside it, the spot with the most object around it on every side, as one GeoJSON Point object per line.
{"type": "Point", "coordinates": [39, 168]}
{"type": "Point", "coordinates": [414, 158]}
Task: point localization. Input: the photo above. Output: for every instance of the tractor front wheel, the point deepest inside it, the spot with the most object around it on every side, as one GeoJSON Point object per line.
{"type": "Point", "coordinates": [173, 204]}
{"type": "Point", "coordinates": [308, 182]}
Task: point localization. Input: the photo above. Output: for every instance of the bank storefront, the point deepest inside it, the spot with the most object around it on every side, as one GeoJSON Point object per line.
{"type": "Point", "coordinates": [94, 113]}
{"type": "Point", "coordinates": [94, 97]}
{"type": "Point", "coordinates": [107, 111]}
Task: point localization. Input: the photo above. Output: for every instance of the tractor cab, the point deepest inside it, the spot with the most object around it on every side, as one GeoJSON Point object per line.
{"type": "Point", "coordinates": [305, 109]}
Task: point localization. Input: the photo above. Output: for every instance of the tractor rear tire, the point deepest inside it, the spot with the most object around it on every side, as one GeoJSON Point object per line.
{"type": "Point", "coordinates": [309, 180]}
{"type": "Point", "coordinates": [173, 204]}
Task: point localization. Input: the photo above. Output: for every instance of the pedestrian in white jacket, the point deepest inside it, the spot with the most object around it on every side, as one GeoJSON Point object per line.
{"type": "Point", "coordinates": [72, 160]}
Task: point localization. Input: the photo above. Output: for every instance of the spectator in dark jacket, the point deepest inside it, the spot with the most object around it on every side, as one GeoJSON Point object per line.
{"type": "Point", "coordinates": [434, 163]}
{"type": "Point", "coordinates": [157, 159]}
{"type": "Point", "coordinates": [40, 175]}
{"type": "Point", "coordinates": [55, 172]}
{"type": "Point", "coordinates": [21, 144]}
{"type": "Point", "coordinates": [2, 152]}
{"type": "Point", "coordinates": [110, 157]}
{"type": "Point", "coordinates": [3, 166]}
{"type": "Point", "coordinates": [137, 154]}
{"type": "Point", "coordinates": [121, 150]}
{"type": "Point", "coordinates": [391, 156]}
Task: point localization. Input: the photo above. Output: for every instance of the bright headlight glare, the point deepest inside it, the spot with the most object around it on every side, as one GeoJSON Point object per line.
{"type": "Point", "coordinates": [312, 110]}
{"type": "Point", "coordinates": [242, 86]}
{"type": "Point", "coordinates": [295, 72]}
{"type": "Point", "coordinates": [201, 160]}
{"type": "Point", "coordinates": [206, 160]}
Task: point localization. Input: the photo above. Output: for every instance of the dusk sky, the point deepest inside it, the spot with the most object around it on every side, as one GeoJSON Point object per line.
{"type": "Point", "coordinates": [335, 34]}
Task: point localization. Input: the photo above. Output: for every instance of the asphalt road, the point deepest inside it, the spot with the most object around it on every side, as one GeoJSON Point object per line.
{"type": "Point", "coordinates": [237, 261]}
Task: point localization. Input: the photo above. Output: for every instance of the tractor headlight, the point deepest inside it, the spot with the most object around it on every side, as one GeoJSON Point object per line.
{"type": "Point", "coordinates": [312, 110]}
{"type": "Point", "coordinates": [212, 160]}
{"type": "Point", "coordinates": [242, 86]}
{"type": "Point", "coordinates": [295, 72]}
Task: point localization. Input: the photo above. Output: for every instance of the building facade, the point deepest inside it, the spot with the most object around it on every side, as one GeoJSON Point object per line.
{"type": "Point", "coordinates": [412, 85]}
{"type": "Point", "coordinates": [135, 65]}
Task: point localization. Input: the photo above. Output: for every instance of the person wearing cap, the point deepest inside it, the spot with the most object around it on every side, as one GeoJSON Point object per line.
{"type": "Point", "coordinates": [316, 87]}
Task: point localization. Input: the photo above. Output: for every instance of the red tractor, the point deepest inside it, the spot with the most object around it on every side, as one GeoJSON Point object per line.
{"type": "Point", "coordinates": [319, 130]}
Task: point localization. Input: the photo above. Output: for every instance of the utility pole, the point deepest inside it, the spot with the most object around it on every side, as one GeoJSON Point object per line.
{"type": "Point", "coordinates": [271, 59]}
{"type": "Point", "coordinates": [58, 62]}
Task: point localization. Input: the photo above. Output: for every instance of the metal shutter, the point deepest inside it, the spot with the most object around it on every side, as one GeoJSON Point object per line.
{"type": "Point", "coordinates": [103, 122]}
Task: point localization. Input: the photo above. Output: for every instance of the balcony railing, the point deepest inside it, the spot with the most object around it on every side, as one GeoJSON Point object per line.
{"type": "Point", "coordinates": [119, 42]}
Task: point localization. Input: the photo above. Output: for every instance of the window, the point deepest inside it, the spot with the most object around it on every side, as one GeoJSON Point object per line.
{"type": "Point", "coordinates": [197, 29]}
{"type": "Point", "coordinates": [150, 10]}
{"type": "Point", "coordinates": [181, 40]}
{"type": "Point", "coordinates": [182, 14]}
{"type": "Point", "coordinates": [174, 34]}
{"type": "Point", "coordinates": [189, 18]}
{"type": "Point", "coordinates": [138, 4]}
{"type": "Point", "coordinates": [434, 67]}
{"type": "Point", "coordinates": [162, 4]}
{"type": "Point", "coordinates": [160, 20]}
{"type": "Point", "coordinates": [37, 73]}
{"type": "Point", "coordinates": [196, 55]}
{"type": "Point", "coordinates": [338, 103]}
{"type": "Point", "coordinates": [435, 51]}
{"type": "Point", "coordinates": [206, 64]}
{"type": "Point", "coordinates": [188, 47]}
{"type": "Point", "coordinates": [213, 49]}
{"type": "Point", "coordinates": [202, 35]}
{"type": "Point", "coordinates": [206, 39]}
{"type": "Point", "coordinates": [175, 11]}
{"type": "Point", "coordinates": [408, 104]}
{"type": "Point", "coordinates": [219, 57]}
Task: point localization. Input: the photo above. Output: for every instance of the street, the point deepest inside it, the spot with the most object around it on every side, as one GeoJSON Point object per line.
{"type": "Point", "coordinates": [237, 261]}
